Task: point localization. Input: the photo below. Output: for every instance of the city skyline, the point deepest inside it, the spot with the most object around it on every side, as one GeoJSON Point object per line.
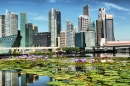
{"type": "Point", "coordinates": [71, 9]}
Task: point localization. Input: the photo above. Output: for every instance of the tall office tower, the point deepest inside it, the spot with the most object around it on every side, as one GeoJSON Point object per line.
{"type": "Point", "coordinates": [29, 34]}
{"type": "Point", "coordinates": [90, 35]}
{"type": "Point", "coordinates": [109, 28]}
{"type": "Point", "coordinates": [23, 21]}
{"type": "Point", "coordinates": [100, 31]}
{"type": "Point", "coordinates": [54, 25]}
{"type": "Point", "coordinates": [2, 26]}
{"type": "Point", "coordinates": [70, 39]}
{"type": "Point", "coordinates": [101, 14]}
{"type": "Point", "coordinates": [86, 10]}
{"type": "Point", "coordinates": [58, 23]}
{"type": "Point", "coordinates": [63, 39]}
{"type": "Point", "coordinates": [11, 23]}
{"type": "Point", "coordinates": [80, 40]}
{"type": "Point", "coordinates": [83, 22]}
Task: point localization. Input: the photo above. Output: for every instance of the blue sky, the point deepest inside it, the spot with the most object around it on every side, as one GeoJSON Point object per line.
{"type": "Point", "coordinates": [70, 10]}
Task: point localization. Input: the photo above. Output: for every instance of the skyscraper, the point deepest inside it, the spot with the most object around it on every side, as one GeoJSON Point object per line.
{"type": "Point", "coordinates": [58, 23]}
{"type": "Point", "coordinates": [80, 40]}
{"type": "Point", "coordinates": [100, 26]}
{"type": "Point", "coordinates": [83, 22]}
{"type": "Point", "coordinates": [29, 34]}
{"type": "Point", "coordinates": [90, 35]}
{"type": "Point", "coordinates": [11, 23]}
{"type": "Point", "coordinates": [70, 39]}
{"type": "Point", "coordinates": [2, 26]}
{"type": "Point", "coordinates": [100, 31]}
{"type": "Point", "coordinates": [109, 28]}
{"type": "Point", "coordinates": [86, 10]}
{"type": "Point", "coordinates": [54, 25]}
{"type": "Point", "coordinates": [23, 21]}
{"type": "Point", "coordinates": [101, 14]}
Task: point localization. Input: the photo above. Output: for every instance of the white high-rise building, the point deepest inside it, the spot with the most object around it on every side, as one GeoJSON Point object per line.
{"type": "Point", "coordinates": [71, 30]}
{"type": "Point", "coordinates": [101, 14]}
{"type": "Point", "coordinates": [11, 23]}
{"type": "Point", "coordinates": [83, 22]}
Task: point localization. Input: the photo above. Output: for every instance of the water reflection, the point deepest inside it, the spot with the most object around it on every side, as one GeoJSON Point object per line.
{"type": "Point", "coordinates": [13, 78]}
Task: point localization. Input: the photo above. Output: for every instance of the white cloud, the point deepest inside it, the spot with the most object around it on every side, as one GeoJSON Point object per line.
{"type": "Point", "coordinates": [41, 18]}
{"type": "Point", "coordinates": [111, 5]}
{"type": "Point", "coordinates": [52, 1]}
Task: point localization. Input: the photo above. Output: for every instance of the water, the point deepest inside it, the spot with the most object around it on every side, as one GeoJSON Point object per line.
{"type": "Point", "coordinates": [13, 78]}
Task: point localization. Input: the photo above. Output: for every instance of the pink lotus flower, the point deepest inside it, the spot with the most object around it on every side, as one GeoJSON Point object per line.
{"type": "Point", "coordinates": [83, 60]}
{"type": "Point", "coordinates": [76, 60]}
{"type": "Point", "coordinates": [92, 60]}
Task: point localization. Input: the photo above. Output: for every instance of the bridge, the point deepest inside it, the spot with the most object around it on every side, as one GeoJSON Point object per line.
{"type": "Point", "coordinates": [22, 49]}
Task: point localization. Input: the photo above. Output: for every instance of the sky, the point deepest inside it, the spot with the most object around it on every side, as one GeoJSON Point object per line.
{"type": "Point", "coordinates": [70, 10]}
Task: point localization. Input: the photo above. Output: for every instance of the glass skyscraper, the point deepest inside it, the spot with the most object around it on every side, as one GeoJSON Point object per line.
{"type": "Point", "coordinates": [54, 25]}
{"type": "Point", "coordinates": [29, 27]}
{"type": "Point", "coordinates": [23, 21]}
{"type": "Point", "coordinates": [70, 39]}
{"type": "Point", "coordinates": [109, 28]}
{"type": "Point", "coordinates": [2, 26]}
{"type": "Point", "coordinates": [11, 23]}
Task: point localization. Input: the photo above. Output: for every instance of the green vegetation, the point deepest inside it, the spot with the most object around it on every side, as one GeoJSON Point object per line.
{"type": "Point", "coordinates": [112, 72]}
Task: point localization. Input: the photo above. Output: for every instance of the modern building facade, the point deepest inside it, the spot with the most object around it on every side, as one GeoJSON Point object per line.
{"type": "Point", "coordinates": [100, 31]}
{"type": "Point", "coordinates": [70, 34]}
{"type": "Point", "coordinates": [42, 39]}
{"type": "Point", "coordinates": [35, 29]}
{"type": "Point", "coordinates": [54, 25]}
{"type": "Point", "coordinates": [91, 35]}
{"type": "Point", "coordinates": [90, 39]}
{"type": "Point", "coordinates": [58, 23]}
{"type": "Point", "coordinates": [11, 23]}
{"type": "Point", "coordinates": [86, 10]}
{"type": "Point", "coordinates": [23, 22]}
{"type": "Point", "coordinates": [29, 34]}
{"type": "Point", "coordinates": [100, 26]}
{"type": "Point", "coordinates": [91, 26]}
{"type": "Point", "coordinates": [63, 39]}
{"type": "Point", "coordinates": [101, 14]}
{"type": "Point", "coordinates": [109, 28]}
{"type": "Point", "coordinates": [2, 26]}
{"type": "Point", "coordinates": [83, 22]}
{"type": "Point", "coordinates": [10, 41]}
{"type": "Point", "coordinates": [80, 40]}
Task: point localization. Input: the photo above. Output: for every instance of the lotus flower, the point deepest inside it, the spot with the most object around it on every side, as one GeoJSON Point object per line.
{"type": "Point", "coordinates": [33, 59]}
{"type": "Point", "coordinates": [39, 57]}
{"type": "Point", "coordinates": [83, 60]}
{"type": "Point", "coordinates": [92, 60]}
{"type": "Point", "coordinates": [76, 60]}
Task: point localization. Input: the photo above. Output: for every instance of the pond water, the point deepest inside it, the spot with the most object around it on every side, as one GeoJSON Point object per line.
{"type": "Point", "coordinates": [14, 78]}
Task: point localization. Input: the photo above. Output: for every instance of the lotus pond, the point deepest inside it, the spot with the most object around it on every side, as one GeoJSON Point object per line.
{"type": "Point", "coordinates": [89, 71]}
